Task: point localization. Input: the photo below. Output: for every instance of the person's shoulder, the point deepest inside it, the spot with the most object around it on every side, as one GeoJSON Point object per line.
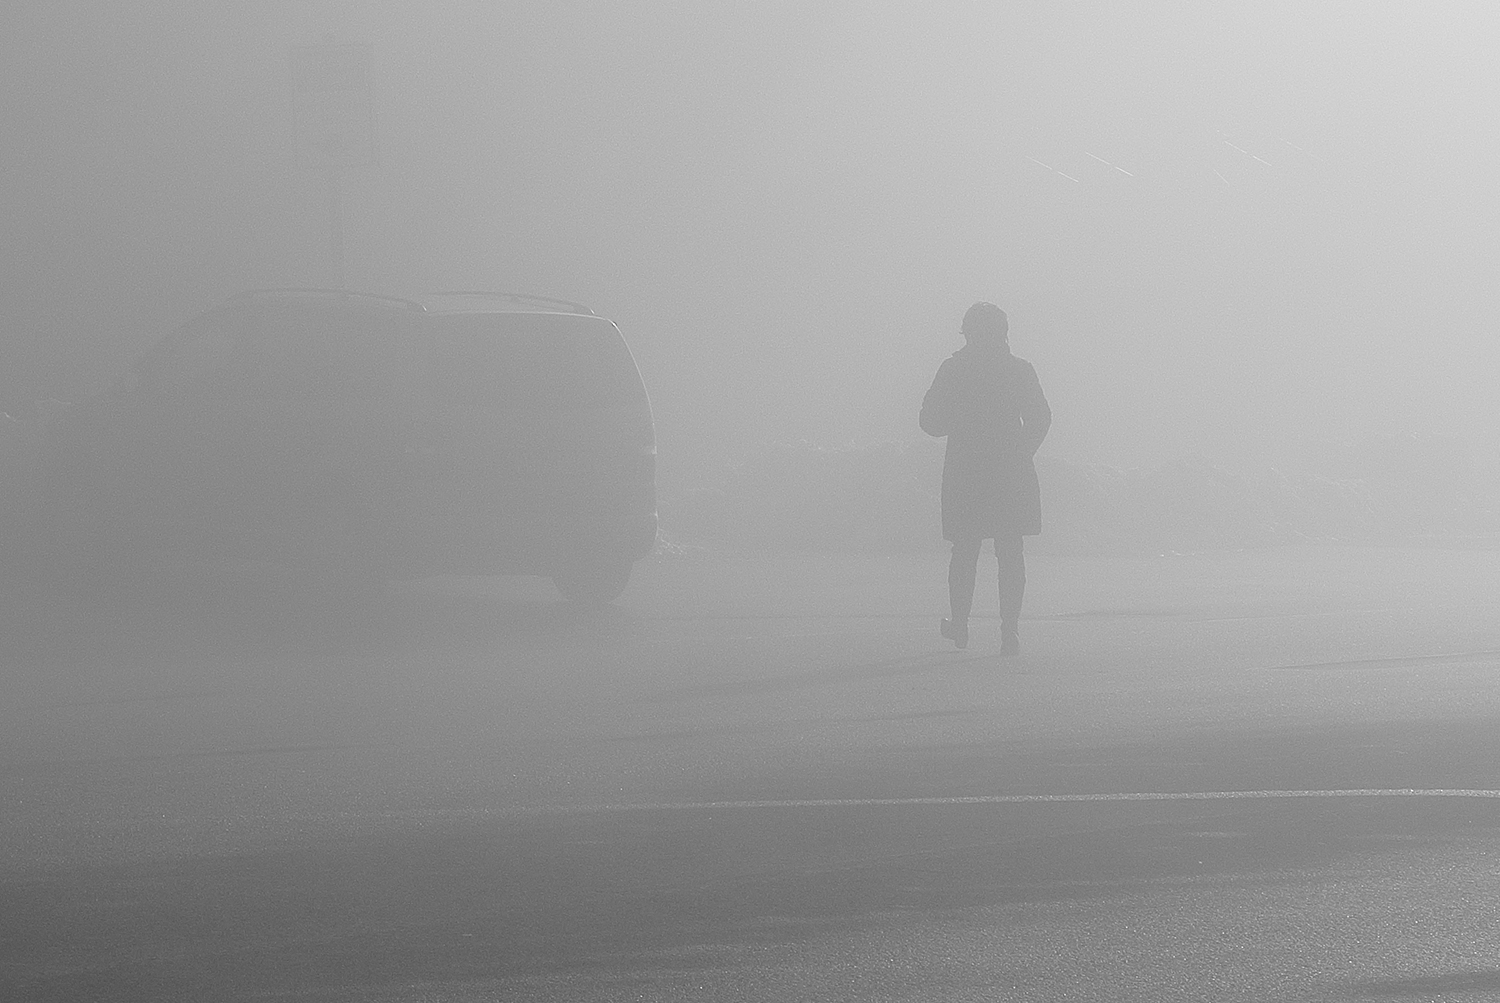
{"type": "Point", "coordinates": [1021, 365]}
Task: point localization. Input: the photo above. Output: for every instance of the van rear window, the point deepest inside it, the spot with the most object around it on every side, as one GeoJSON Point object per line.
{"type": "Point", "coordinates": [531, 361]}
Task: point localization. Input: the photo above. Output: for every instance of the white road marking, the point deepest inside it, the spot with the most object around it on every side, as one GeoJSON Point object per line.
{"type": "Point", "coordinates": [1452, 659]}
{"type": "Point", "coordinates": [1184, 615]}
{"type": "Point", "coordinates": [619, 808]}
{"type": "Point", "coordinates": [1054, 170]}
{"type": "Point", "coordinates": [1106, 163]}
{"type": "Point", "coordinates": [1003, 799]}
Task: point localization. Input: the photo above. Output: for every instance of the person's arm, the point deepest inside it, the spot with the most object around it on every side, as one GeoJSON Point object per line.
{"type": "Point", "coordinates": [937, 407]}
{"type": "Point", "coordinates": [1036, 415]}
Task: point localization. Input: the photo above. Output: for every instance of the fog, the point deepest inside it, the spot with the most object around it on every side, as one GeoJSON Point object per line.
{"type": "Point", "coordinates": [1231, 231]}
{"type": "Point", "coordinates": [288, 708]}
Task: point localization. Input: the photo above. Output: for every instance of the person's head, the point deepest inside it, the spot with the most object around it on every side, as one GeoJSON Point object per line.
{"type": "Point", "coordinates": [985, 324]}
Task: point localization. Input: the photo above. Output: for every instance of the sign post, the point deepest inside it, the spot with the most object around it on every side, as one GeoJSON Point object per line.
{"type": "Point", "coordinates": [333, 119]}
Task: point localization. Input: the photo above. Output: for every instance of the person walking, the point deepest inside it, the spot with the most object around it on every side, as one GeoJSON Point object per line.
{"type": "Point", "coordinates": [990, 406]}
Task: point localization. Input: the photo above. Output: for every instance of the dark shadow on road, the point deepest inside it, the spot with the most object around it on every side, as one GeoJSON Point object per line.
{"type": "Point", "coordinates": [834, 675]}
{"type": "Point", "coordinates": [1117, 613]}
{"type": "Point", "coordinates": [283, 618]}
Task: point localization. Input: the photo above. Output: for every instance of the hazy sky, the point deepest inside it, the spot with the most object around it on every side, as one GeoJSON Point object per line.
{"type": "Point", "coordinates": [1230, 228]}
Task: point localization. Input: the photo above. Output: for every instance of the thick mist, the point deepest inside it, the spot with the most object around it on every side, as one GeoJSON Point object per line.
{"type": "Point", "coordinates": [1020, 524]}
{"type": "Point", "coordinates": [1239, 232]}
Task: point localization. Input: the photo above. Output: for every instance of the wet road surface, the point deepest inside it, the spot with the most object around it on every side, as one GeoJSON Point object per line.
{"type": "Point", "coordinates": [1267, 776]}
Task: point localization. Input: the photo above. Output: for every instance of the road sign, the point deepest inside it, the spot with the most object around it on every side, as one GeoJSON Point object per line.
{"type": "Point", "coordinates": [333, 113]}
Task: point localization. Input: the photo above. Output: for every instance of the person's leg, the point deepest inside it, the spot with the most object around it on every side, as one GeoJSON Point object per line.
{"type": "Point", "coordinates": [1010, 555]}
{"type": "Point", "coordinates": [962, 567]}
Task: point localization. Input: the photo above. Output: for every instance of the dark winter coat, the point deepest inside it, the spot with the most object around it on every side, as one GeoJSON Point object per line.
{"type": "Point", "coordinates": [990, 406]}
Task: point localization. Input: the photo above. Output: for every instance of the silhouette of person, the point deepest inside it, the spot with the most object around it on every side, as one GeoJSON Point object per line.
{"type": "Point", "coordinates": [990, 406]}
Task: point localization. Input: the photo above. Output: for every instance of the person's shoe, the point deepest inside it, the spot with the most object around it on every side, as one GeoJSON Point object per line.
{"type": "Point", "coordinates": [956, 631]}
{"type": "Point", "coordinates": [1010, 640]}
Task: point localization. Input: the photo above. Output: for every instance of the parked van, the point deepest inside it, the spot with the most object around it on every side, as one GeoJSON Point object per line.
{"type": "Point", "coordinates": [461, 433]}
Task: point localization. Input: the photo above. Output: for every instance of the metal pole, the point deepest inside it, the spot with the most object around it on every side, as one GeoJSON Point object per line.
{"type": "Point", "coordinates": [335, 228]}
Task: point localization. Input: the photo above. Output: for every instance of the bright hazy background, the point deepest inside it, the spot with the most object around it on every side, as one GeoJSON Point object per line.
{"type": "Point", "coordinates": [1243, 230]}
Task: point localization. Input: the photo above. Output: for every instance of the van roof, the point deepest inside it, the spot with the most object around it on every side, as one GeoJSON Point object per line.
{"type": "Point", "coordinates": [484, 301]}
{"type": "Point", "coordinates": [447, 301]}
{"type": "Point", "coordinates": [340, 296]}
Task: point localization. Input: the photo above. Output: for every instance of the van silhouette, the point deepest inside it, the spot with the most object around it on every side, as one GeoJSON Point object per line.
{"type": "Point", "coordinates": [369, 436]}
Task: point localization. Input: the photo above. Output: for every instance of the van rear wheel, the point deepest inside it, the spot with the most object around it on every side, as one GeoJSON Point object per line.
{"type": "Point", "coordinates": [593, 585]}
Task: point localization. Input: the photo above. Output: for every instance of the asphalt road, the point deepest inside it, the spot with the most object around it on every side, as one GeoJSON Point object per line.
{"type": "Point", "coordinates": [1265, 776]}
